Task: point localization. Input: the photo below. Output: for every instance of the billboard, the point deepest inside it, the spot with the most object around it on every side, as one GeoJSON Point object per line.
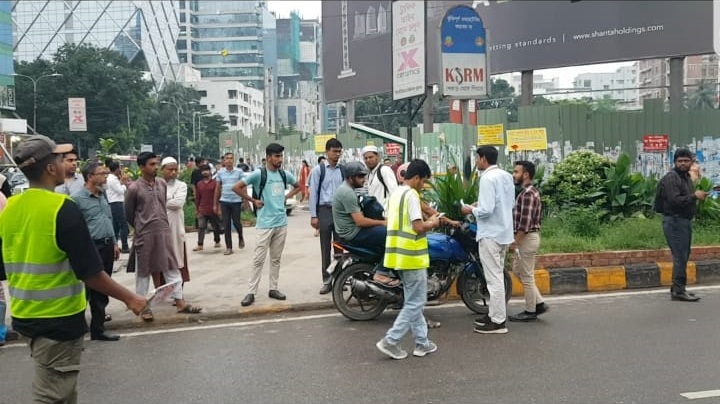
{"type": "Point", "coordinates": [464, 72]}
{"type": "Point", "coordinates": [408, 48]}
{"type": "Point", "coordinates": [76, 115]}
{"type": "Point", "coordinates": [522, 35]}
{"type": "Point", "coordinates": [531, 35]}
{"type": "Point", "coordinates": [356, 46]}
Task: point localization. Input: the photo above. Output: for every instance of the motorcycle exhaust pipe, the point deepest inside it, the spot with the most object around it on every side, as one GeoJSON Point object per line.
{"type": "Point", "coordinates": [365, 289]}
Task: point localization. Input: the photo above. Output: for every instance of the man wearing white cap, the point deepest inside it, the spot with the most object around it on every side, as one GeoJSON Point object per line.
{"type": "Point", "coordinates": [176, 197]}
{"type": "Point", "coordinates": [381, 181]}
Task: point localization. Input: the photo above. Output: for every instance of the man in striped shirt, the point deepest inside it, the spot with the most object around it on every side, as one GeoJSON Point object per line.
{"type": "Point", "coordinates": [527, 217]}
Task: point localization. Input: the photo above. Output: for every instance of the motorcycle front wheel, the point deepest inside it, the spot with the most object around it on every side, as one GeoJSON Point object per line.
{"type": "Point", "coordinates": [355, 306]}
{"type": "Point", "coordinates": [472, 289]}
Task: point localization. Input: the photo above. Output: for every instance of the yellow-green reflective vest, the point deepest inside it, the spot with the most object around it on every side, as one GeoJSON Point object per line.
{"type": "Point", "coordinates": [40, 280]}
{"type": "Point", "coordinates": [404, 248]}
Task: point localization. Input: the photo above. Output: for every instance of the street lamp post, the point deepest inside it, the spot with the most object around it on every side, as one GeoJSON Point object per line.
{"type": "Point", "coordinates": [178, 127]}
{"type": "Point", "coordinates": [35, 81]}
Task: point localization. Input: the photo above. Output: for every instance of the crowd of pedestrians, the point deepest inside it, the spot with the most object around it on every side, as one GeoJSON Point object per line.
{"type": "Point", "coordinates": [77, 225]}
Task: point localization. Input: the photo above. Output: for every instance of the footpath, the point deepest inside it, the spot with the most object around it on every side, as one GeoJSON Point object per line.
{"type": "Point", "coordinates": [219, 282]}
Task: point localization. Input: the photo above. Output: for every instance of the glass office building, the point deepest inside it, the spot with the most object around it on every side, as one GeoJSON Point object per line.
{"type": "Point", "coordinates": [143, 31]}
{"type": "Point", "coordinates": [228, 40]}
{"type": "Point", "coordinates": [7, 82]}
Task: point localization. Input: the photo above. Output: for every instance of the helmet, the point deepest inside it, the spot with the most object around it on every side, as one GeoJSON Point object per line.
{"type": "Point", "coordinates": [401, 172]}
{"type": "Point", "coordinates": [354, 168]}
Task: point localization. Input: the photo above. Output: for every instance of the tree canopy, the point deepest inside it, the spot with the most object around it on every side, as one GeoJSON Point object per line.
{"type": "Point", "coordinates": [120, 104]}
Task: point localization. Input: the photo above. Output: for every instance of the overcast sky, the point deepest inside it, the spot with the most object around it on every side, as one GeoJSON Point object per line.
{"type": "Point", "coordinates": [313, 9]}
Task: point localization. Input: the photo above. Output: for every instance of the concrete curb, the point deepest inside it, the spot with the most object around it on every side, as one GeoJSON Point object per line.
{"type": "Point", "coordinates": [260, 310]}
{"type": "Point", "coordinates": [553, 281]}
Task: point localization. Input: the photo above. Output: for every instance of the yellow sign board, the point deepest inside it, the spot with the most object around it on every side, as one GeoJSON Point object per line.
{"type": "Point", "coordinates": [320, 141]}
{"type": "Point", "coordinates": [490, 135]}
{"type": "Point", "coordinates": [527, 139]}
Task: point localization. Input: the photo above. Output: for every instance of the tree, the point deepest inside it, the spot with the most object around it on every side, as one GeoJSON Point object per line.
{"type": "Point", "coordinates": [164, 123]}
{"type": "Point", "coordinates": [703, 97]}
{"type": "Point", "coordinates": [112, 88]}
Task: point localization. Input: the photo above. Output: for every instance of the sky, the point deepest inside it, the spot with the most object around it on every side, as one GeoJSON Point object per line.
{"type": "Point", "coordinates": [313, 9]}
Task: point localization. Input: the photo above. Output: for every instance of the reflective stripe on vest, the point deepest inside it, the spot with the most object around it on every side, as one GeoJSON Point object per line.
{"type": "Point", "coordinates": [41, 281]}
{"type": "Point", "coordinates": [404, 248]}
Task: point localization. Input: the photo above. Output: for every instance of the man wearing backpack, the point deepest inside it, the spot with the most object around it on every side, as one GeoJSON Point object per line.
{"type": "Point", "coordinates": [381, 181]}
{"type": "Point", "coordinates": [676, 199]}
{"type": "Point", "coordinates": [270, 182]}
{"type": "Point", "coordinates": [325, 179]}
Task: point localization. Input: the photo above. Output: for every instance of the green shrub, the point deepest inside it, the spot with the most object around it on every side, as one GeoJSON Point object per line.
{"type": "Point", "coordinates": [448, 190]}
{"type": "Point", "coordinates": [574, 181]}
{"type": "Point", "coordinates": [622, 193]}
{"type": "Point", "coordinates": [581, 221]}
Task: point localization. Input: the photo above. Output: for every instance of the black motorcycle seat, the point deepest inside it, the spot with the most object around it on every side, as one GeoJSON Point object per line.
{"type": "Point", "coordinates": [359, 250]}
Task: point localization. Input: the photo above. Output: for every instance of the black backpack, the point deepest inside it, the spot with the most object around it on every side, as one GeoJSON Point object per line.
{"type": "Point", "coordinates": [370, 207]}
{"type": "Point", "coordinates": [257, 194]}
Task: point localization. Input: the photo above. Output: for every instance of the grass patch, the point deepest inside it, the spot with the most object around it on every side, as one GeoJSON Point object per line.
{"type": "Point", "coordinates": [627, 234]}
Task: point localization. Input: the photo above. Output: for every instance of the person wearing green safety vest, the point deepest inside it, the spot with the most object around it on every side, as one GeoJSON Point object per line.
{"type": "Point", "coordinates": [406, 250]}
{"type": "Point", "coordinates": [48, 257]}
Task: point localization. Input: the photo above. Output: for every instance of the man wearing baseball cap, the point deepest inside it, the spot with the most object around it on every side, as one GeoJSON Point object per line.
{"type": "Point", "coordinates": [48, 257]}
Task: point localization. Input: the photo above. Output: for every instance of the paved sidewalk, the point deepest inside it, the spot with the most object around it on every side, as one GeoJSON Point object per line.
{"type": "Point", "coordinates": [219, 282]}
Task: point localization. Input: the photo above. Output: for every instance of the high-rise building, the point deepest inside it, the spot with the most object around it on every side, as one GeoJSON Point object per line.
{"type": "Point", "coordinates": [299, 104]}
{"type": "Point", "coordinates": [228, 40]}
{"type": "Point", "coordinates": [143, 31]}
{"type": "Point", "coordinates": [7, 82]}
{"type": "Point", "coordinates": [620, 86]}
{"type": "Point", "coordinates": [654, 74]}
{"type": "Point", "coordinates": [241, 106]}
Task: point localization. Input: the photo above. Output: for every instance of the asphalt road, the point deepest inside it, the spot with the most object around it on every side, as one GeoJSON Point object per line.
{"type": "Point", "coordinates": [636, 347]}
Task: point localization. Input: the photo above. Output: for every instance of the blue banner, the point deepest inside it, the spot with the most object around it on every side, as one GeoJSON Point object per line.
{"type": "Point", "coordinates": [462, 31]}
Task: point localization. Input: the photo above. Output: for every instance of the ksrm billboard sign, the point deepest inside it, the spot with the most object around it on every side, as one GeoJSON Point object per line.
{"type": "Point", "coordinates": [524, 35]}
{"type": "Point", "coordinates": [464, 73]}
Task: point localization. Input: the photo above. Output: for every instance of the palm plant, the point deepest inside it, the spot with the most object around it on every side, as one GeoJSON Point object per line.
{"type": "Point", "coordinates": [448, 190]}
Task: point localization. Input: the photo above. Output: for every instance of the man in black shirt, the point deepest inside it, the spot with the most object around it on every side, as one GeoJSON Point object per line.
{"type": "Point", "coordinates": [55, 341]}
{"type": "Point", "coordinates": [679, 200]}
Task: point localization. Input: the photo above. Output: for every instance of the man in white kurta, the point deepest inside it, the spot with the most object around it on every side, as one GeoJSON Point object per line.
{"type": "Point", "coordinates": [176, 197]}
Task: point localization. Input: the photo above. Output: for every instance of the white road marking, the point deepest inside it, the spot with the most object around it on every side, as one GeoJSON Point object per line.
{"type": "Point", "coordinates": [701, 394]}
{"type": "Point", "coordinates": [588, 296]}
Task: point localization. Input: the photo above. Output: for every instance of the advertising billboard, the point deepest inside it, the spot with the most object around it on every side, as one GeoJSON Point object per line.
{"type": "Point", "coordinates": [522, 35]}
{"type": "Point", "coordinates": [356, 46]}
{"type": "Point", "coordinates": [408, 48]}
{"type": "Point", "coordinates": [531, 35]}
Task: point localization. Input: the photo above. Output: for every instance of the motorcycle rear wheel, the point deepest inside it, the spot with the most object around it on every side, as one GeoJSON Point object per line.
{"type": "Point", "coordinates": [357, 308]}
{"type": "Point", "coordinates": [472, 289]}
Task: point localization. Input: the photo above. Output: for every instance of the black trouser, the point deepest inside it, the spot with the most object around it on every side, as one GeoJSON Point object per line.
{"type": "Point", "coordinates": [327, 235]}
{"type": "Point", "coordinates": [99, 301]}
{"type": "Point", "coordinates": [678, 233]}
{"type": "Point", "coordinates": [231, 214]}
{"type": "Point", "coordinates": [202, 228]}
{"type": "Point", "coordinates": [120, 225]}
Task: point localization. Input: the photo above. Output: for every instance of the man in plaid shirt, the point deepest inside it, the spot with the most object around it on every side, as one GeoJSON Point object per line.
{"type": "Point", "coordinates": [527, 217]}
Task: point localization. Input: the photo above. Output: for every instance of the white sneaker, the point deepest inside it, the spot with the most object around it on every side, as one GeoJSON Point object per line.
{"type": "Point", "coordinates": [424, 350]}
{"type": "Point", "coordinates": [393, 351]}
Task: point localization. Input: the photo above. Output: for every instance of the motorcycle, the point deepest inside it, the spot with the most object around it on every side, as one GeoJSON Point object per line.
{"type": "Point", "coordinates": [452, 257]}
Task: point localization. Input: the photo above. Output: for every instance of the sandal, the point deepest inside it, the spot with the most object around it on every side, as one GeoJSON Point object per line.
{"type": "Point", "coordinates": [108, 317]}
{"type": "Point", "coordinates": [147, 315]}
{"type": "Point", "coordinates": [386, 281]}
{"type": "Point", "coordinates": [190, 309]}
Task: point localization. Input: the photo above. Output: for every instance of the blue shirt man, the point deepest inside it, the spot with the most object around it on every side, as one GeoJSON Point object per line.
{"type": "Point", "coordinates": [272, 222]}
{"type": "Point", "coordinates": [322, 192]}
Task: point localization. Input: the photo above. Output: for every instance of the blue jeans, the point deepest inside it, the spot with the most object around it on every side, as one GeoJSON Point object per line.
{"type": "Point", "coordinates": [3, 327]}
{"type": "Point", "coordinates": [373, 238]}
{"type": "Point", "coordinates": [411, 316]}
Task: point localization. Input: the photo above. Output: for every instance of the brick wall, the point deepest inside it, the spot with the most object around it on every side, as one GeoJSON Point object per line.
{"type": "Point", "coordinates": [606, 258]}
